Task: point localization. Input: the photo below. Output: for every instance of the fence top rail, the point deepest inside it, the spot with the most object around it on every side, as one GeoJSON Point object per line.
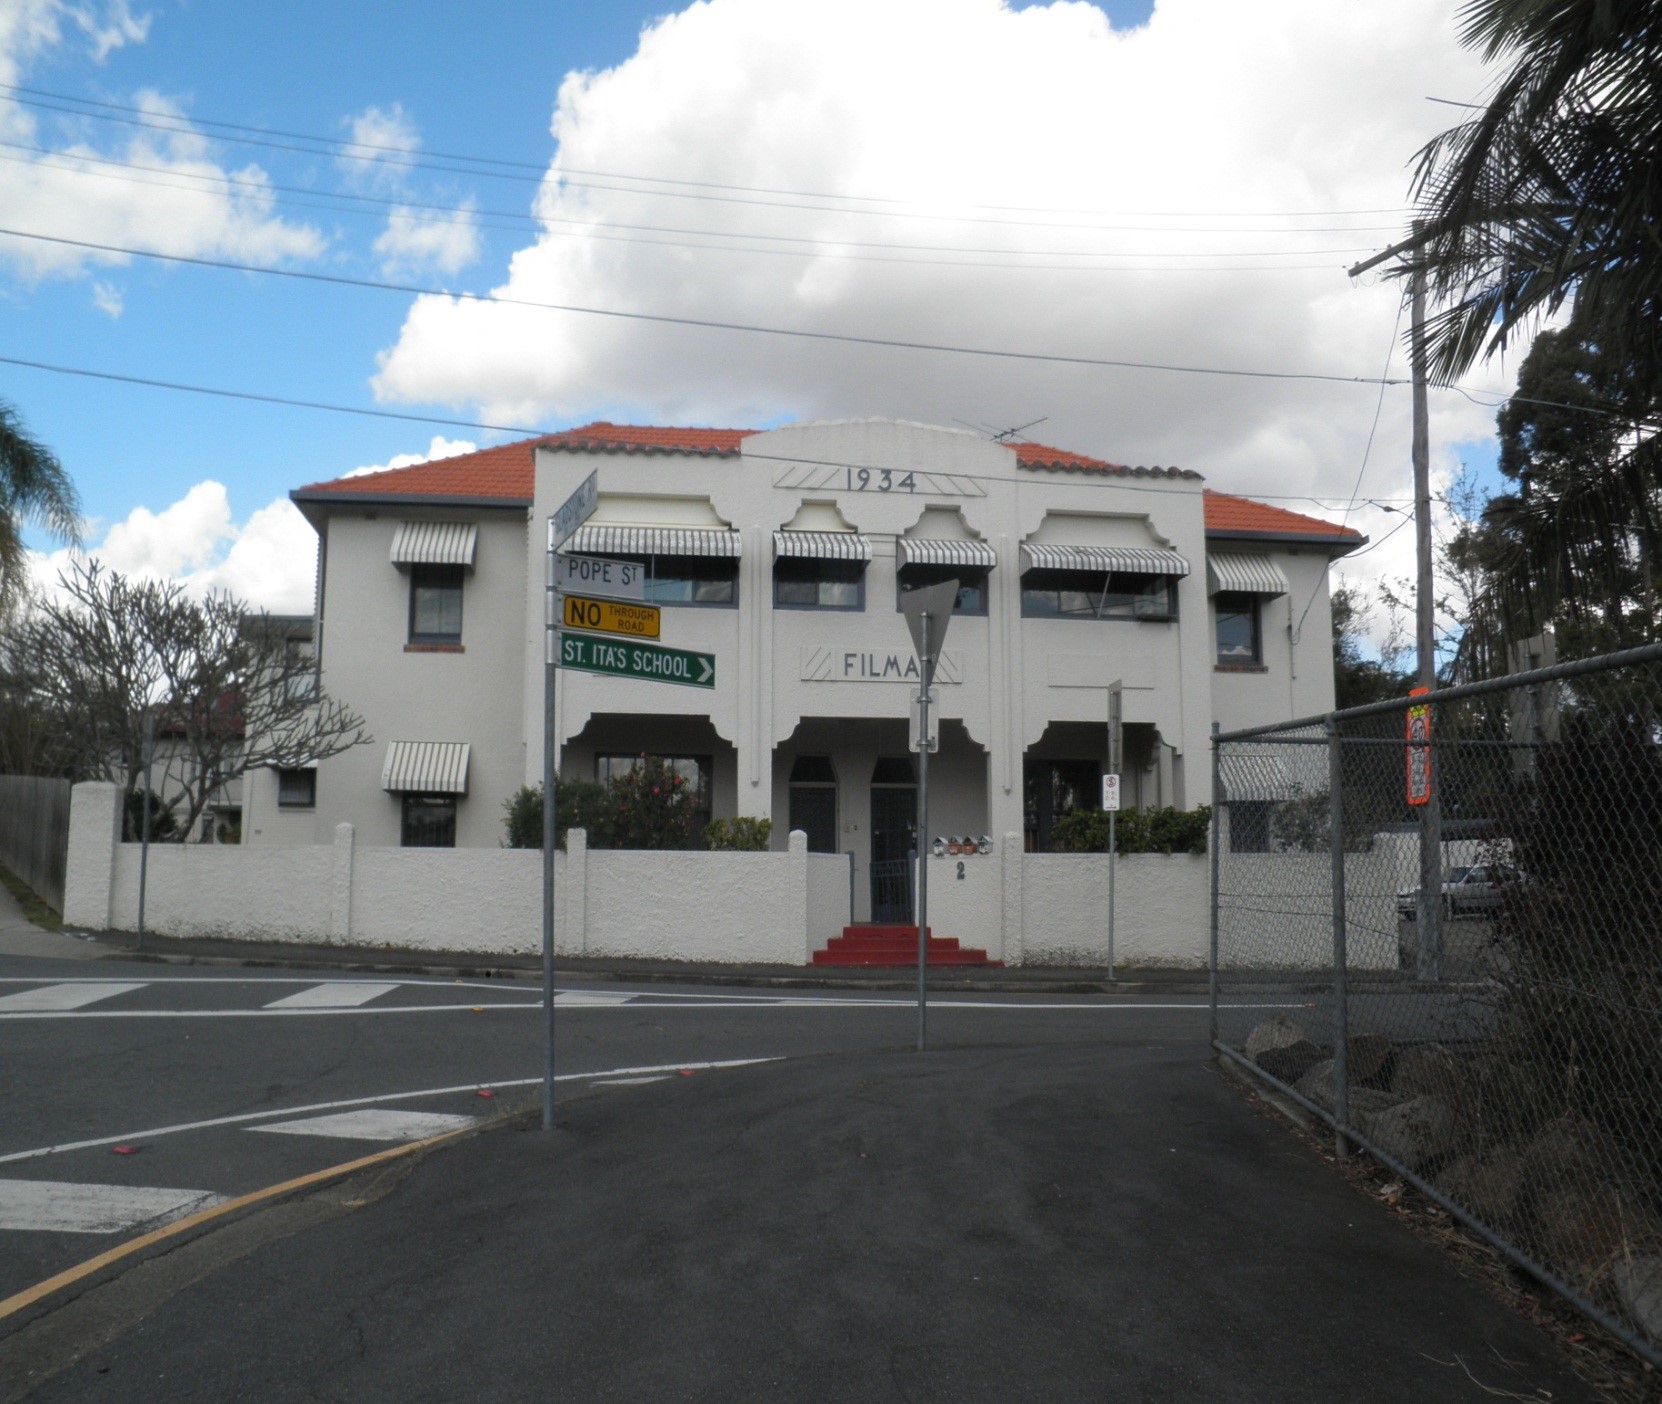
{"type": "Point", "coordinates": [1558, 672]}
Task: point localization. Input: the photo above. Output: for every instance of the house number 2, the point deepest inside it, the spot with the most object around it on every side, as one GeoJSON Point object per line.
{"type": "Point", "coordinates": [960, 872]}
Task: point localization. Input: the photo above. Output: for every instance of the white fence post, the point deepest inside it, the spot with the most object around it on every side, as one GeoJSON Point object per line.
{"type": "Point", "coordinates": [796, 857]}
{"type": "Point", "coordinates": [94, 833]}
{"type": "Point", "coordinates": [1012, 855]}
{"type": "Point", "coordinates": [573, 932]}
{"type": "Point", "coordinates": [340, 897]}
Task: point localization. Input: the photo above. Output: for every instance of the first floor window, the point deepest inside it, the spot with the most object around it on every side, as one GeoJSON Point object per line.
{"type": "Point", "coordinates": [429, 821]}
{"type": "Point", "coordinates": [972, 584]}
{"type": "Point", "coordinates": [1239, 639]}
{"type": "Point", "coordinates": [435, 604]}
{"type": "Point", "coordinates": [297, 789]}
{"type": "Point", "coordinates": [1097, 594]}
{"type": "Point", "coordinates": [709, 581]}
{"type": "Point", "coordinates": [1249, 826]}
{"type": "Point", "coordinates": [802, 583]}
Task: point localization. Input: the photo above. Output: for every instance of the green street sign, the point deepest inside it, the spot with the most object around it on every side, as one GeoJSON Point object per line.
{"type": "Point", "coordinates": [588, 654]}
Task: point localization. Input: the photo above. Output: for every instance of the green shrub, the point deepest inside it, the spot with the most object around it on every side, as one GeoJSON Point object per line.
{"type": "Point", "coordinates": [1165, 830]}
{"type": "Point", "coordinates": [578, 804]}
{"type": "Point", "coordinates": [741, 835]}
{"type": "Point", "coordinates": [650, 807]}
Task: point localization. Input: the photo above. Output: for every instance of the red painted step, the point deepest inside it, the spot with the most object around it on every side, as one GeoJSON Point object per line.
{"type": "Point", "coordinates": [892, 944]}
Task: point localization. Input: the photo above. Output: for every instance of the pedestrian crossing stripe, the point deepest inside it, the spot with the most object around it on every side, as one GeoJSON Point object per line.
{"type": "Point", "coordinates": [57, 1206]}
{"type": "Point", "coordinates": [334, 994]}
{"type": "Point", "coordinates": [373, 1124]}
{"type": "Point", "coordinates": [55, 998]}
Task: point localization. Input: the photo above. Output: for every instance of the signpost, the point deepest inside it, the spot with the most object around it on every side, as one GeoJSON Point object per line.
{"type": "Point", "coordinates": [928, 611]}
{"type": "Point", "coordinates": [649, 661]}
{"type": "Point", "coordinates": [570, 515]}
{"type": "Point", "coordinates": [1111, 803]}
{"type": "Point", "coordinates": [595, 575]}
{"type": "Point", "coordinates": [637, 621]}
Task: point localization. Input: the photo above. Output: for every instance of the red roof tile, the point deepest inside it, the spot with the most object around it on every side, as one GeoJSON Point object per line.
{"type": "Point", "coordinates": [1229, 515]}
{"type": "Point", "coordinates": [505, 474]}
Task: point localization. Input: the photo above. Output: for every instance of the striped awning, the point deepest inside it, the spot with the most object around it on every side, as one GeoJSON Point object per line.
{"type": "Point", "coordinates": [434, 543]}
{"type": "Point", "coordinates": [426, 767]}
{"type": "Point", "coordinates": [822, 545]}
{"type": "Point", "coordinates": [1247, 575]}
{"type": "Point", "coordinates": [974, 555]}
{"type": "Point", "coordinates": [1135, 560]}
{"type": "Point", "coordinates": [653, 541]}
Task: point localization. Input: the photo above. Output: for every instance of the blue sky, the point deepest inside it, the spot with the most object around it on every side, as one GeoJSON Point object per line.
{"type": "Point", "coordinates": [1266, 149]}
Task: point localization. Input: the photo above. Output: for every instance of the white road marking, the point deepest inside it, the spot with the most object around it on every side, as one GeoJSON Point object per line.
{"type": "Point", "coordinates": [53, 1206]}
{"type": "Point", "coordinates": [333, 994]}
{"type": "Point", "coordinates": [67, 994]}
{"type": "Point", "coordinates": [262, 1013]}
{"type": "Point", "coordinates": [372, 1124]}
{"type": "Point", "coordinates": [591, 998]}
{"type": "Point", "coordinates": [243, 1118]}
{"type": "Point", "coordinates": [630, 1081]}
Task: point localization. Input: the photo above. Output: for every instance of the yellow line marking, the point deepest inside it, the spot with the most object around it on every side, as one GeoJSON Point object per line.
{"type": "Point", "coordinates": [29, 1296]}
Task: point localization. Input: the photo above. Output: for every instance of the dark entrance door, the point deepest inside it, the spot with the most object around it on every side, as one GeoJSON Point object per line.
{"type": "Point", "coordinates": [894, 835]}
{"type": "Point", "coordinates": [814, 811]}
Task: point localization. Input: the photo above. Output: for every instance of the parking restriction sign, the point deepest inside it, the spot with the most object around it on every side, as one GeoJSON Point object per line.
{"type": "Point", "coordinates": [1418, 735]}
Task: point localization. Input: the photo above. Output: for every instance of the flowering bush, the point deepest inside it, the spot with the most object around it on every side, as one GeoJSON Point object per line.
{"type": "Point", "coordinates": [650, 807]}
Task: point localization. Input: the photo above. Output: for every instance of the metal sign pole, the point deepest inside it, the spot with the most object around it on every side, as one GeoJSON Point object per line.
{"type": "Point", "coordinates": [551, 643]}
{"type": "Point", "coordinates": [144, 830]}
{"type": "Point", "coordinates": [922, 913]}
{"type": "Point", "coordinates": [1112, 816]}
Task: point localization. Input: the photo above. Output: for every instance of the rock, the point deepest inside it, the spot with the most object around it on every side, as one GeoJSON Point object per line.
{"type": "Point", "coordinates": [1290, 1063]}
{"type": "Point", "coordinates": [1579, 1231]}
{"type": "Point", "coordinates": [1430, 1070]}
{"type": "Point", "coordinates": [1638, 1283]}
{"type": "Point", "coordinates": [1568, 1151]}
{"type": "Point", "coordinates": [1413, 1133]}
{"type": "Point", "coordinates": [1368, 1058]}
{"type": "Point", "coordinates": [1317, 1086]}
{"type": "Point", "coordinates": [1490, 1188]}
{"type": "Point", "coordinates": [1277, 1031]}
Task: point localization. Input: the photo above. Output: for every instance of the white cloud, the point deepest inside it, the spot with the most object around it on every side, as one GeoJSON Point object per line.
{"type": "Point", "coordinates": [418, 242]}
{"type": "Point", "coordinates": [387, 134]}
{"type": "Point", "coordinates": [440, 447]}
{"type": "Point", "coordinates": [269, 562]}
{"type": "Point", "coordinates": [106, 297]}
{"type": "Point", "coordinates": [1013, 134]}
{"type": "Point", "coordinates": [183, 205]}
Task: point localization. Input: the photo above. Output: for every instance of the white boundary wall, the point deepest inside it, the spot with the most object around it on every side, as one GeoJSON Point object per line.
{"type": "Point", "coordinates": [749, 908]}
{"type": "Point", "coordinates": [752, 908]}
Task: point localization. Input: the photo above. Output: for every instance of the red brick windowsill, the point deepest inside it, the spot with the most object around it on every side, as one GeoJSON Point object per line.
{"type": "Point", "coordinates": [1240, 668]}
{"type": "Point", "coordinates": [434, 648]}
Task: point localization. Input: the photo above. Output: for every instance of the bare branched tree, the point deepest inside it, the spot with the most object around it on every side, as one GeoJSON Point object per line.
{"type": "Point", "coordinates": [113, 661]}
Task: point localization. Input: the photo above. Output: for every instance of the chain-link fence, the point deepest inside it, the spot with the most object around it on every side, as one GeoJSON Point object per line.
{"type": "Point", "coordinates": [1464, 889]}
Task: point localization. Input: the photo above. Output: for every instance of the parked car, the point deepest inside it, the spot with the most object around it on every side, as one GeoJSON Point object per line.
{"type": "Point", "coordinates": [1474, 891]}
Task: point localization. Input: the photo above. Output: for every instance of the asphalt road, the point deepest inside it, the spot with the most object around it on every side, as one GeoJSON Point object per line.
{"type": "Point", "coordinates": [125, 1079]}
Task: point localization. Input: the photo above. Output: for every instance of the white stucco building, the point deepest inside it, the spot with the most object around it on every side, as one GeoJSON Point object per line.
{"type": "Point", "coordinates": [782, 553]}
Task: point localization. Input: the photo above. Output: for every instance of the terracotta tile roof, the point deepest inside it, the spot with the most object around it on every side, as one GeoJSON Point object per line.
{"type": "Point", "coordinates": [1041, 456]}
{"type": "Point", "coordinates": [504, 474]}
{"type": "Point", "coordinates": [1228, 515]}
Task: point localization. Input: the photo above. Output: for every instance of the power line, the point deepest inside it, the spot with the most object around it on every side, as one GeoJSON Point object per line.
{"type": "Point", "coordinates": [265, 399]}
{"type": "Point", "coordinates": [398, 156]}
{"type": "Point", "coordinates": [219, 392]}
{"type": "Point", "coordinates": [704, 323]}
{"type": "Point", "coordinates": [469, 217]}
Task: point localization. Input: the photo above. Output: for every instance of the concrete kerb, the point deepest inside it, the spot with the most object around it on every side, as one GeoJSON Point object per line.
{"type": "Point", "coordinates": [23, 1309]}
{"type": "Point", "coordinates": [473, 965]}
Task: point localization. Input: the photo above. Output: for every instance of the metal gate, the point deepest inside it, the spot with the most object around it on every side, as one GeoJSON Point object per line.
{"type": "Point", "coordinates": [891, 890]}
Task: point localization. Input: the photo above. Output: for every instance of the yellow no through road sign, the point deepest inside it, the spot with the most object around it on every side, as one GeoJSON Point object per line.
{"type": "Point", "coordinates": [610, 617]}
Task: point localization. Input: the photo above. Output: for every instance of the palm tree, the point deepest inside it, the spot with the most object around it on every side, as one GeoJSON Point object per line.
{"type": "Point", "coordinates": [1552, 192]}
{"type": "Point", "coordinates": [33, 488]}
